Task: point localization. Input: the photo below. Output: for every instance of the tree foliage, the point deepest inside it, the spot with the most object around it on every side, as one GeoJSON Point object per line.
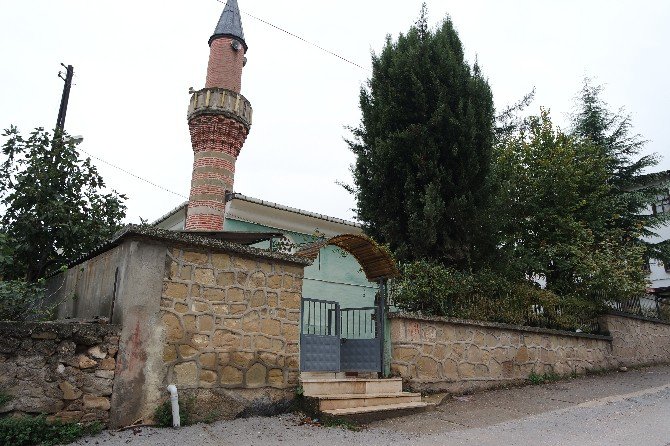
{"type": "Point", "coordinates": [558, 209]}
{"type": "Point", "coordinates": [423, 148]}
{"type": "Point", "coordinates": [632, 191]}
{"type": "Point", "coordinates": [56, 205]}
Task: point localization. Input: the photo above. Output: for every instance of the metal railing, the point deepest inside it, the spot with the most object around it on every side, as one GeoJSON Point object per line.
{"type": "Point", "coordinates": [650, 305]}
{"type": "Point", "coordinates": [319, 317]}
{"type": "Point", "coordinates": [359, 323]}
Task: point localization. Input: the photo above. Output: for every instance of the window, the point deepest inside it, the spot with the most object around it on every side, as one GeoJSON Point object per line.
{"type": "Point", "coordinates": [662, 205]}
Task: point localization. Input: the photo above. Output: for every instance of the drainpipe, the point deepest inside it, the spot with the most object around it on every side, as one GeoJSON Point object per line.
{"type": "Point", "coordinates": [174, 399]}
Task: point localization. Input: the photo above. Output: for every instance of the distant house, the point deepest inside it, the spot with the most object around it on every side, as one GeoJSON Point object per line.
{"type": "Point", "coordinates": [659, 269]}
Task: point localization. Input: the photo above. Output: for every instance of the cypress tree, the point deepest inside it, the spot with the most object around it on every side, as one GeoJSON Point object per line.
{"type": "Point", "coordinates": [423, 148]}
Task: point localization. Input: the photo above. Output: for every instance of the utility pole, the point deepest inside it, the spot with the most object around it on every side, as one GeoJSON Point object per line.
{"type": "Point", "coordinates": [60, 123]}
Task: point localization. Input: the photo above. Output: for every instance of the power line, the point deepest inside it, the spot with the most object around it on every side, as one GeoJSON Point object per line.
{"type": "Point", "coordinates": [132, 174]}
{"type": "Point", "coordinates": [325, 50]}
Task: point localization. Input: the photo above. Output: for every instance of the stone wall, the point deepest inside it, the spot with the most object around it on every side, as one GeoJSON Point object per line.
{"type": "Point", "coordinates": [442, 354]}
{"type": "Point", "coordinates": [637, 340]}
{"type": "Point", "coordinates": [231, 329]}
{"type": "Point", "coordinates": [65, 369]}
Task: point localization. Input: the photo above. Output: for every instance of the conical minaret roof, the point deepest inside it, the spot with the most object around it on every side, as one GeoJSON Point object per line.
{"type": "Point", "coordinates": [230, 24]}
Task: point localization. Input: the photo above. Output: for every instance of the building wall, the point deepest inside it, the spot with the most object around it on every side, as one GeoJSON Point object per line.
{"type": "Point", "coordinates": [231, 327]}
{"type": "Point", "coordinates": [65, 370]}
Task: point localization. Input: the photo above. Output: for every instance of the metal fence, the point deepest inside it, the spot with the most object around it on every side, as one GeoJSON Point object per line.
{"type": "Point", "coordinates": [650, 305]}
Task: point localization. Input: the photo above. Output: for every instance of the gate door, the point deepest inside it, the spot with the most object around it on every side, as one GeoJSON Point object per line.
{"type": "Point", "coordinates": [320, 336]}
{"type": "Point", "coordinates": [360, 349]}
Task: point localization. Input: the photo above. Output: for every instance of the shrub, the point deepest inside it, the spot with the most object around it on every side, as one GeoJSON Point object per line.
{"type": "Point", "coordinates": [20, 301]}
{"type": "Point", "coordinates": [29, 431]}
{"type": "Point", "coordinates": [433, 289]}
{"type": "Point", "coordinates": [163, 413]}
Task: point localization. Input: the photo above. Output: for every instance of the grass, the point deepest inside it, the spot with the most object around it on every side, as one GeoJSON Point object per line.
{"type": "Point", "coordinates": [29, 431]}
{"type": "Point", "coordinates": [536, 379]}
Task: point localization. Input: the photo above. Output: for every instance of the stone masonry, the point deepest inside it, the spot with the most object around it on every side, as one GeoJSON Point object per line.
{"type": "Point", "coordinates": [231, 321]}
{"type": "Point", "coordinates": [441, 354]}
{"type": "Point", "coordinates": [65, 369]}
{"type": "Point", "coordinates": [638, 341]}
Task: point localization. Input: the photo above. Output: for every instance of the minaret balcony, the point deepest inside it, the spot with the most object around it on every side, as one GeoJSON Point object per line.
{"type": "Point", "coordinates": [219, 101]}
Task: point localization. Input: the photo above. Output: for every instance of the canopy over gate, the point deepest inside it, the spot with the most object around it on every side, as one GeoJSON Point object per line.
{"type": "Point", "coordinates": [375, 261]}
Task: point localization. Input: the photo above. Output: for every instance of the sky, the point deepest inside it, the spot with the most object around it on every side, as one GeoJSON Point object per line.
{"type": "Point", "coordinates": [134, 62]}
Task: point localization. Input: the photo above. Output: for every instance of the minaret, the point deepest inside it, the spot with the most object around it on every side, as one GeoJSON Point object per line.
{"type": "Point", "coordinates": [219, 118]}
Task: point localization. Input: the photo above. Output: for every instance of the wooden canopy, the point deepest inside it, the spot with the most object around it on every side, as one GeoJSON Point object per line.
{"type": "Point", "coordinates": [375, 261]}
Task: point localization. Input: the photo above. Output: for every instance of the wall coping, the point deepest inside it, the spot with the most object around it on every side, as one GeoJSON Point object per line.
{"type": "Point", "coordinates": [84, 331]}
{"type": "Point", "coordinates": [635, 316]}
{"type": "Point", "coordinates": [498, 325]}
{"type": "Point", "coordinates": [167, 237]}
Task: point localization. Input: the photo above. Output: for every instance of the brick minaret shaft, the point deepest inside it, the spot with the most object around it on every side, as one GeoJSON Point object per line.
{"type": "Point", "coordinates": [219, 119]}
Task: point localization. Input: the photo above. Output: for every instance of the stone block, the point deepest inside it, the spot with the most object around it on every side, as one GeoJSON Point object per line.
{"type": "Point", "coordinates": [45, 335]}
{"type": "Point", "coordinates": [197, 258]}
{"type": "Point", "coordinates": [466, 371]}
{"type": "Point", "coordinates": [208, 360]}
{"type": "Point", "coordinates": [221, 261]}
{"type": "Point", "coordinates": [256, 376]}
{"type": "Point", "coordinates": [84, 362]}
{"type": "Point", "coordinates": [427, 368]}
{"type": "Point", "coordinates": [200, 307]}
{"type": "Point", "coordinates": [175, 290]}
{"type": "Point", "coordinates": [242, 359]}
{"type": "Point", "coordinates": [269, 359]}
{"type": "Point", "coordinates": [275, 281]}
{"type": "Point", "coordinates": [107, 364]}
{"type": "Point", "coordinates": [238, 308]}
{"type": "Point", "coordinates": [235, 295]}
{"type": "Point", "coordinates": [96, 402]}
{"type": "Point", "coordinates": [224, 338]}
{"type": "Point", "coordinates": [208, 377]}
{"type": "Point", "coordinates": [244, 264]}
{"type": "Point", "coordinates": [257, 280]}
{"type": "Point", "coordinates": [205, 323]}
{"type": "Point", "coordinates": [276, 377]}
{"type": "Point", "coordinates": [404, 354]}
{"type": "Point", "coordinates": [251, 322]}
{"type": "Point", "coordinates": [180, 307]}
{"type": "Point", "coordinates": [169, 353]}
{"type": "Point", "coordinates": [186, 272]}
{"type": "Point", "coordinates": [241, 278]}
{"type": "Point", "coordinates": [189, 323]}
{"type": "Point", "coordinates": [231, 376]}
{"type": "Point", "coordinates": [204, 276]}
{"type": "Point", "coordinates": [232, 323]}
{"type": "Point", "coordinates": [258, 298]}
{"type": "Point", "coordinates": [291, 331]}
{"type": "Point", "coordinates": [289, 299]}
{"type": "Point", "coordinates": [273, 299]}
{"type": "Point", "coordinates": [106, 374]}
{"type": "Point", "coordinates": [67, 416]}
{"type": "Point", "coordinates": [225, 279]}
{"type": "Point", "coordinates": [70, 392]}
{"type": "Point", "coordinates": [186, 373]}
{"type": "Point", "coordinates": [220, 309]}
{"type": "Point", "coordinates": [187, 352]}
{"type": "Point", "coordinates": [271, 327]}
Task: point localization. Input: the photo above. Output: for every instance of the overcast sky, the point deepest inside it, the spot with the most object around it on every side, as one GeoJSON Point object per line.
{"type": "Point", "coordinates": [134, 62]}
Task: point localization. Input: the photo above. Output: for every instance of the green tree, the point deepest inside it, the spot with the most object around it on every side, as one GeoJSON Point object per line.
{"type": "Point", "coordinates": [423, 148]}
{"type": "Point", "coordinates": [555, 205]}
{"type": "Point", "coordinates": [632, 191]}
{"type": "Point", "coordinates": [56, 206]}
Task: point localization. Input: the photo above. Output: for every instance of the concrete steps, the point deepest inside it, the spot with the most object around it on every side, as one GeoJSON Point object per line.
{"type": "Point", "coordinates": [347, 396]}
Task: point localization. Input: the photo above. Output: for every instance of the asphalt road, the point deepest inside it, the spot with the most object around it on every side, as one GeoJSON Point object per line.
{"type": "Point", "coordinates": [631, 408]}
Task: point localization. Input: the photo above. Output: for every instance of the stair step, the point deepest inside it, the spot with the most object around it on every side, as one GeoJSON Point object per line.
{"type": "Point", "coordinates": [353, 400]}
{"type": "Point", "coordinates": [312, 387]}
{"type": "Point", "coordinates": [371, 409]}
